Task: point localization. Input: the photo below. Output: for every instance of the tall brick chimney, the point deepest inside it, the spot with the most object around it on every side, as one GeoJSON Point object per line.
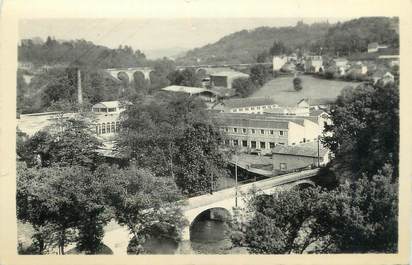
{"type": "Point", "coordinates": [79, 87]}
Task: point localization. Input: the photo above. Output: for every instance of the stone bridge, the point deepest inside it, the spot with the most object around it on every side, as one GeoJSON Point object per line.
{"type": "Point", "coordinates": [117, 237]}
{"type": "Point", "coordinates": [131, 72]}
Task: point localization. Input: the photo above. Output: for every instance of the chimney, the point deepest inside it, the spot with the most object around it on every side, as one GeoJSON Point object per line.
{"type": "Point", "coordinates": [79, 87]}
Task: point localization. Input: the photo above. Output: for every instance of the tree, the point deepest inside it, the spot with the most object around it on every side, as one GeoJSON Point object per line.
{"type": "Point", "coordinates": [285, 222]}
{"type": "Point", "coordinates": [244, 86]}
{"type": "Point", "coordinates": [362, 216]}
{"type": "Point", "coordinates": [58, 202]}
{"type": "Point", "coordinates": [160, 132]}
{"type": "Point", "coordinates": [143, 202]}
{"type": "Point", "coordinates": [72, 143]}
{"type": "Point", "coordinates": [259, 74]}
{"type": "Point", "coordinates": [364, 134]}
{"type": "Point", "coordinates": [187, 77]}
{"type": "Point", "coordinates": [297, 83]}
{"type": "Point", "coordinates": [278, 48]}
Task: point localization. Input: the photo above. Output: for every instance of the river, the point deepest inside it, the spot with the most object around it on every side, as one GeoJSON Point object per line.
{"type": "Point", "coordinates": [207, 237]}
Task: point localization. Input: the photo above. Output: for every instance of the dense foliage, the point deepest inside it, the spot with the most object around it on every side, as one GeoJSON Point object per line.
{"type": "Point", "coordinates": [174, 137]}
{"type": "Point", "coordinates": [365, 131]}
{"type": "Point", "coordinates": [357, 217]}
{"type": "Point", "coordinates": [85, 53]}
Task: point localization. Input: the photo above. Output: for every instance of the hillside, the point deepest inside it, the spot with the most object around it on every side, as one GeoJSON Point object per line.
{"type": "Point", "coordinates": [344, 38]}
{"type": "Point", "coordinates": [244, 46]}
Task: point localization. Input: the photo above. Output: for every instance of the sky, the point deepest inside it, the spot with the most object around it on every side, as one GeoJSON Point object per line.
{"type": "Point", "coordinates": [151, 34]}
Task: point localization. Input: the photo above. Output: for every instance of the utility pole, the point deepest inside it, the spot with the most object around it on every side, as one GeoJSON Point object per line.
{"type": "Point", "coordinates": [236, 161]}
{"type": "Point", "coordinates": [318, 153]}
{"type": "Point", "coordinates": [79, 87]}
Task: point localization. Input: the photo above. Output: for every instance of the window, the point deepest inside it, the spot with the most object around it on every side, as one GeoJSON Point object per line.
{"type": "Point", "coordinates": [112, 109]}
{"type": "Point", "coordinates": [226, 142]}
{"type": "Point", "coordinates": [283, 166]}
{"type": "Point", "coordinates": [113, 127]}
{"type": "Point", "coordinates": [281, 133]}
{"type": "Point", "coordinates": [234, 110]}
{"type": "Point", "coordinates": [244, 130]}
{"type": "Point", "coordinates": [253, 130]}
{"type": "Point", "coordinates": [97, 129]}
{"type": "Point", "coordinates": [240, 109]}
{"type": "Point", "coordinates": [258, 108]}
{"type": "Point", "coordinates": [235, 142]}
{"type": "Point", "coordinates": [252, 108]}
{"type": "Point", "coordinates": [108, 127]}
{"type": "Point", "coordinates": [235, 130]}
{"type": "Point", "coordinates": [271, 145]}
{"type": "Point", "coordinates": [244, 143]}
{"type": "Point", "coordinates": [253, 144]}
{"type": "Point", "coordinates": [103, 128]}
{"type": "Point", "coordinates": [262, 131]}
{"type": "Point", "coordinates": [271, 132]}
{"type": "Point", "coordinates": [246, 108]}
{"type": "Point", "coordinates": [117, 128]}
{"type": "Point", "coordinates": [226, 129]}
{"type": "Point", "coordinates": [262, 145]}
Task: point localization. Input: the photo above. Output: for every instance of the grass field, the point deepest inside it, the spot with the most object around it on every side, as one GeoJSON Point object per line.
{"type": "Point", "coordinates": [319, 91]}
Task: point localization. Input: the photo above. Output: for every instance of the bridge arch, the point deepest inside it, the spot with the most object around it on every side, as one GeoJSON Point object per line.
{"type": "Point", "coordinates": [303, 184]}
{"type": "Point", "coordinates": [123, 76]}
{"type": "Point", "coordinates": [219, 214]}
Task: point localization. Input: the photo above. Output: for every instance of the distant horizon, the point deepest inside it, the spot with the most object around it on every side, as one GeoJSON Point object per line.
{"type": "Point", "coordinates": [152, 36]}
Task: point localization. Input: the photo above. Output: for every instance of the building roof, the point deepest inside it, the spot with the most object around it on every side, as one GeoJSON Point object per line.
{"type": "Point", "coordinates": [262, 120]}
{"type": "Point", "coordinates": [249, 102]}
{"type": "Point", "coordinates": [309, 149]}
{"type": "Point", "coordinates": [252, 122]}
{"type": "Point", "coordinates": [317, 112]}
{"type": "Point", "coordinates": [229, 74]}
{"type": "Point", "coordinates": [110, 104]}
{"type": "Point", "coordinates": [187, 89]}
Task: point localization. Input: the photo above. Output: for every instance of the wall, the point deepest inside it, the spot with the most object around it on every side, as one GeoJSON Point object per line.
{"type": "Point", "coordinates": [296, 133]}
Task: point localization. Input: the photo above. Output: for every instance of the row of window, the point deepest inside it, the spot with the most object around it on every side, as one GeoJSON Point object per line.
{"type": "Point", "coordinates": [254, 131]}
{"type": "Point", "coordinates": [253, 144]}
{"type": "Point", "coordinates": [109, 127]}
{"type": "Point", "coordinates": [254, 108]}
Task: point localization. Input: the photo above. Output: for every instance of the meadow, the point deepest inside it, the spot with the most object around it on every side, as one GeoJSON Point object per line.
{"type": "Point", "coordinates": [318, 91]}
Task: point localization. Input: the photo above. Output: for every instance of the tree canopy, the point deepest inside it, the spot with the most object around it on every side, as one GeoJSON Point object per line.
{"type": "Point", "coordinates": [174, 137]}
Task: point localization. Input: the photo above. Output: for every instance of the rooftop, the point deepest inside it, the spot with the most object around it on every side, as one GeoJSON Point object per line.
{"type": "Point", "coordinates": [110, 104]}
{"type": "Point", "coordinates": [229, 74]}
{"type": "Point", "coordinates": [309, 149]}
{"type": "Point", "coordinates": [247, 102]}
{"type": "Point", "coordinates": [187, 89]}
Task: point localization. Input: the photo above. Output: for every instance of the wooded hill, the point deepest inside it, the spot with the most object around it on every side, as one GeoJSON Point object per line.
{"type": "Point", "coordinates": [341, 39]}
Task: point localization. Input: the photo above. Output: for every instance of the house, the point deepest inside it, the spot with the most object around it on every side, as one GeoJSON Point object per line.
{"type": "Point", "coordinates": [314, 64]}
{"type": "Point", "coordinates": [358, 68]}
{"type": "Point", "coordinates": [383, 75]}
{"type": "Point", "coordinates": [25, 65]}
{"type": "Point", "coordinates": [278, 62]}
{"type": "Point", "coordinates": [225, 78]}
{"type": "Point", "coordinates": [250, 105]}
{"type": "Point", "coordinates": [301, 109]}
{"type": "Point", "coordinates": [340, 62]}
{"type": "Point", "coordinates": [286, 158]}
{"type": "Point", "coordinates": [260, 132]}
{"type": "Point", "coordinates": [375, 47]}
{"type": "Point", "coordinates": [107, 117]}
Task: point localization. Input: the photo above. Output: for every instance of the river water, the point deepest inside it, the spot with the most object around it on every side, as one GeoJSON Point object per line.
{"type": "Point", "coordinates": [207, 237]}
